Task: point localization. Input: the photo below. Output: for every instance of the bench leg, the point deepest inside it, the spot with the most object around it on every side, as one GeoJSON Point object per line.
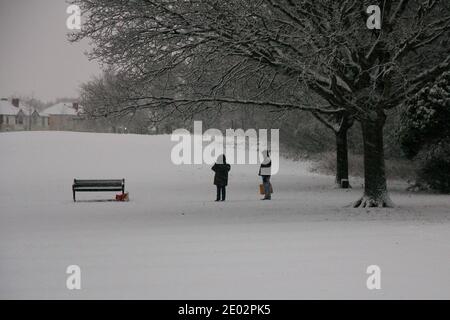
{"type": "Point", "coordinates": [73, 195]}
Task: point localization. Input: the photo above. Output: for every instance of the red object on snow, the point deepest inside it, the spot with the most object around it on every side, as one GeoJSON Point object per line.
{"type": "Point", "coordinates": [122, 197]}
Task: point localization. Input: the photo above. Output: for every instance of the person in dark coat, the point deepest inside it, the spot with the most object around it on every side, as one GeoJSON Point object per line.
{"type": "Point", "coordinates": [221, 169]}
{"type": "Point", "coordinates": [265, 173]}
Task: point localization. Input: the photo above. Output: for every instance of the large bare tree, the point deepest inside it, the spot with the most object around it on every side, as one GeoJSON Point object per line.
{"type": "Point", "coordinates": [323, 45]}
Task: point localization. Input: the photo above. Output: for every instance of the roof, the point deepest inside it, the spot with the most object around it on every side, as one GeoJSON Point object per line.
{"type": "Point", "coordinates": [7, 108]}
{"type": "Point", "coordinates": [62, 108]}
{"type": "Point", "coordinates": [42, 114]}
{"type": "Point", "coordinates": [27, 110]}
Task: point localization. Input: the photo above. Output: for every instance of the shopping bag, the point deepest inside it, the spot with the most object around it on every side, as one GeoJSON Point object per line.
{"type": "Point", "coordinates": [261, 189]}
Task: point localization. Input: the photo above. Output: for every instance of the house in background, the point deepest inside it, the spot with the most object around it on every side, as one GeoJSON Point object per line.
{"type": "Point", "coordinates": [16, 117]}
{"type": "Point", "coordinates": [29, 118]}
{"type": "Point", "coordinates": [64, 116]}
{"type": "Point", "coordinates": [8, 114]}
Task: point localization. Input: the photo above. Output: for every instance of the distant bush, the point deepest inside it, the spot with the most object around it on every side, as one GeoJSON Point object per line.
{"type": "Point", "coordinates": [435, 167]}
{"type": "Point", "coordinates": [396, 169]}
{"type": "Point", "coordinates": [425, 133]}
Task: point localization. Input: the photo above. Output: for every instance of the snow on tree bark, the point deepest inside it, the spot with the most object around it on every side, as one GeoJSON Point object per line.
{"type": "Point", "coordinates": [375, 188]}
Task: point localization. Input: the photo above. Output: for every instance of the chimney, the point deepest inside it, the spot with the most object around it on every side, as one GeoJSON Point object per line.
{"type": "Point", "coordinates": [15, 102]}
{"type": "Point", "coordinates": [75, 106]}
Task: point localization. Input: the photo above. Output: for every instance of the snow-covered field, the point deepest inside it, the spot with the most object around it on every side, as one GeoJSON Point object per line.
{"type": "Point", "coordinates": [172, 241]}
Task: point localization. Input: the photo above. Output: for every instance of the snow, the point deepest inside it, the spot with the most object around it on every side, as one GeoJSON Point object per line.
{"type": "Point", "coordinates": [172, 241]}
{"type": "Point", "coordinates": [62, 108]}
{"type": "Point", "coordinates": [7, 108]}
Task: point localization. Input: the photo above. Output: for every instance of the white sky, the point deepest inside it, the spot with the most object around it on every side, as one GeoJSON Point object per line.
{"type": "Point", "coordinates": [35, 57]}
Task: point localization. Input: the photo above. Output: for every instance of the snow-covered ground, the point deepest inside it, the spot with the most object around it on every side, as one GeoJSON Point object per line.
{"type": "Point", "coordinates": [172, 241]}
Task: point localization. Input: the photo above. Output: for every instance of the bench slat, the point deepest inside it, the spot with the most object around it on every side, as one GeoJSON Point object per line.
{"type": "Point", "coordinates": [98, 182]}
{"type": "Point", "coordinates": [98, 185]}
{"type": "Point", "coordinates": [98, 189]}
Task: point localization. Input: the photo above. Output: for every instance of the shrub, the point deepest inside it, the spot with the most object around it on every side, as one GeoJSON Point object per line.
{"type": "Point", "coordinates": [435, 167]}
{"type": "Point", "coordinates": [396, 169]}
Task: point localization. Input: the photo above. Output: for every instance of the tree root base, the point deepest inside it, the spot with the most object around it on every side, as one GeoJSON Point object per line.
{"type": "Point", "coordinates": [370, 202]}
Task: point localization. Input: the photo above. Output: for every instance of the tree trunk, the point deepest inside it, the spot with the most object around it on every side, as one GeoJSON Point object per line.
{"type": "Point", "coordinates": [341, 156]}
{"type": "Point", "coordinates": [339, 124]}
{"type": "Point", "coordinates": [375, 188]}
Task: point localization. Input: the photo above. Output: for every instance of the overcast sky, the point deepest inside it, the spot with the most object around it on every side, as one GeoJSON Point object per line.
{"type": "Point", "coordinates": [35, 57]}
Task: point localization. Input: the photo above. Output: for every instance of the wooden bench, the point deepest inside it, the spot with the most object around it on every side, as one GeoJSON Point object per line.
{"type": "Point", "coordinates": [97, 185]}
